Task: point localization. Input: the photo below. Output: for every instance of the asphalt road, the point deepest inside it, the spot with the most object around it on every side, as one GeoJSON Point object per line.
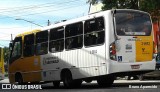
{"type": "Point", "coordinates": [118, 86]}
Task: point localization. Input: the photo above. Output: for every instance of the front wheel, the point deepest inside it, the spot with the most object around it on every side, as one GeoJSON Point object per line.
{"type": "Point", "coordinates": [19, 79]}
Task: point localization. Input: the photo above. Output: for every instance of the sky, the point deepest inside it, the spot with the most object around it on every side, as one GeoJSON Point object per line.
{"type": "Point", "coordinates": [14, 15]}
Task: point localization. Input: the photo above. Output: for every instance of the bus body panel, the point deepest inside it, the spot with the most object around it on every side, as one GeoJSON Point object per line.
{"type": "Point", "coordinates": [30, 69]}
{"type": "Point", "coordinates": [80, 61]}
{"type": "Point", "coordinates": [143, 66]}
{"type": "Point", "coordinates": [144, 51]}
{"type": "Point", "coordinates": [139, 49]}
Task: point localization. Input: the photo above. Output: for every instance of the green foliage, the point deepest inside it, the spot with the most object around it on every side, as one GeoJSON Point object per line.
{"type": "Point", "coordinates": [150, 6]}
{"type": "Point", "coordinates": [6, 54]}
{"type": "Point", "coordinates": [120, 4]}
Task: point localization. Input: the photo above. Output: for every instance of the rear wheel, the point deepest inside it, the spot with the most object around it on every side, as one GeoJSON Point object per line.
{"type": "Point", "coordinates": [105, 81]}
{"type": "Point", "coordinates": [141, 77]}
{"type": "Point", "coordinates": [88, 80]}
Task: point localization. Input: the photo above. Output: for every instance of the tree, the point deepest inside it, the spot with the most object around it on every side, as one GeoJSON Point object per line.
{"type": "Point", "coordinates": [150, 6]}
{"type": "Point", "coordinates": [120, 4]}
{"type": "Point", "coordinates": [93, 1]}
{"type": "Point", "coordinates": [6, 54]}
{"type": "Point", "coordinates": [117, 4]}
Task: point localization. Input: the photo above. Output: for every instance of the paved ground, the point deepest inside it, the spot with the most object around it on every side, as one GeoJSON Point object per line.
{"type": "Point", "coordinates": [118, 86]}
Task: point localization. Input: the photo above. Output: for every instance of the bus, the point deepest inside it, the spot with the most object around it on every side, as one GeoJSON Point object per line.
{"type": "Point", "coordinates": [98, 47]}
{"type": "Point", "coordinates": [2, 69]}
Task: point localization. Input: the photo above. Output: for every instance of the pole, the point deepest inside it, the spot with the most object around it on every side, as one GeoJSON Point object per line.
{"type": "Point", "coordinates": [29, 22]}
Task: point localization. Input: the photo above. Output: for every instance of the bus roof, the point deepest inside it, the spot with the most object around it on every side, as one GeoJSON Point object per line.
{"type": "Point", "coordinates": [63, 23]}
{"type": "Point", "coordinates": [29, 32]}
{"type": "Point", "coordinates": [89, 16]}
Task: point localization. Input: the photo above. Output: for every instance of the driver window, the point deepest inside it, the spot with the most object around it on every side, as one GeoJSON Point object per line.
{"type": "Point", "coordinates": [17, 49]}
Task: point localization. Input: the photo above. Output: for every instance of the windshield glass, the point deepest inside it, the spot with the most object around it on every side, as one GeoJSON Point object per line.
{"type": "Point", "coordinates": [131, 23]}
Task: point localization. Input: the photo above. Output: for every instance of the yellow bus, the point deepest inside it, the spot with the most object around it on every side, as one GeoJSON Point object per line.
{"type": "Point", "coordinates": [2, 70]}
{"type": "Point", "coordinates": [97, 47]}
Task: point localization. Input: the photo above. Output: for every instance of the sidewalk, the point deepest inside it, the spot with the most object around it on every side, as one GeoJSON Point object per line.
{"type": "Point", "coordinates": [4, 81]}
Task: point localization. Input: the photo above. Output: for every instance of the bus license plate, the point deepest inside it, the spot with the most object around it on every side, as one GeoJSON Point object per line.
{"type": "Point", "coordinates": [135, 66]}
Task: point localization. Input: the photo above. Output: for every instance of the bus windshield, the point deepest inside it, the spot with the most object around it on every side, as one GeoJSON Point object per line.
{"type": "Point", "coordinates": [131, 23]}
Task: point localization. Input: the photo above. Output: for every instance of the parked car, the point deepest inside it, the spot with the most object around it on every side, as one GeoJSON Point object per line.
{"type": "Point", "coordinates": [158, 61]}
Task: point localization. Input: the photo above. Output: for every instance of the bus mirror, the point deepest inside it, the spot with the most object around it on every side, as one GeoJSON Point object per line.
{"type": "Point", "coordinates": [114, 11]}
{"type": "Point", "coordinates": [10, 46]}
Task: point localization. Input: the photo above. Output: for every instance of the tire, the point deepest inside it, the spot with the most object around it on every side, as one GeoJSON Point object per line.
{"type": "Point", "coordinates": [56, 84]}
{"type": "Point", "coordinates": [141, 77]}
{"type": "Point", "coordinates": [68, 80]}
{"type": "Point", "coordinates": [105, 81]}
{"type": "Point", "coordinates": [88, 80]}
{"type": "Point", "coordinates": [19, 79]}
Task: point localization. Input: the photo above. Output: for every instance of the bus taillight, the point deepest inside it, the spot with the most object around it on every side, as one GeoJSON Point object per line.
{"type": "Point", "coordinates": [113, 51]}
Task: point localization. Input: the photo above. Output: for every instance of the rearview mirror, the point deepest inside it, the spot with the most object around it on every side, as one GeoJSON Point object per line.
{"type": "Point", "coordinates": [10, 46]}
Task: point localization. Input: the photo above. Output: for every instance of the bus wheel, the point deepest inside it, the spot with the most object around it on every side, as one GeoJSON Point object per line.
{"type": "Point", "coordinates": [88, 80]}
{"type": "Point", "coordinates": [105, 81]}
{"type": "Point", "coordinates": [141, 77]}
{"type": "Point", "coordinates": [67, 79]}
{"type": "Point", "coordinates": [19, 79]}
{"type": "Point", "coordinates": [56, 84]}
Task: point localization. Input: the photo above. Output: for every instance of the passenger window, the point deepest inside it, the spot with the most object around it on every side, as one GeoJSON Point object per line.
{"type": "Point", "coordinates": [28, 45]}
{"type": "Point", "coordinates": [94, 25]}
{"type": "Point", "coordinates": [74, 29]}
{"type": "Point", "coordinates": [94, 32]}
{"type": "Point", "coordinates": [74, 36]}
{"type": "Point", "coordinates": [42, 43]}
{"type": "Point", "coordinates": [57, 33]}
{"type": "Point", "coordinates": [56, 43]}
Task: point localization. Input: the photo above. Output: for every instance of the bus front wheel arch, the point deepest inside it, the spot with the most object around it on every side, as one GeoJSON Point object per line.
{"type": "Point", "coordinates": [19, 78]}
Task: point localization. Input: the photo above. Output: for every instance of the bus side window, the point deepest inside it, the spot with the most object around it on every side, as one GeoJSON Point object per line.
{"type": "Point", "coordinates": [56, 43]}
{"type": "Point", "coordinates": [41, 42]}
{"type": "Point", "coordinates": [28, 45]}
{"type": "Point", "coordinates": [74, 36]}
{"type": "Point", "coordinates": [94, 35]}
{"type": "Point", "coordinates": [17, 49]}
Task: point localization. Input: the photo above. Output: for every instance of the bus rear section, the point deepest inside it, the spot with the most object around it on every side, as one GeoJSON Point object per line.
{"type": "Point", "coordinates": [134, 43]}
